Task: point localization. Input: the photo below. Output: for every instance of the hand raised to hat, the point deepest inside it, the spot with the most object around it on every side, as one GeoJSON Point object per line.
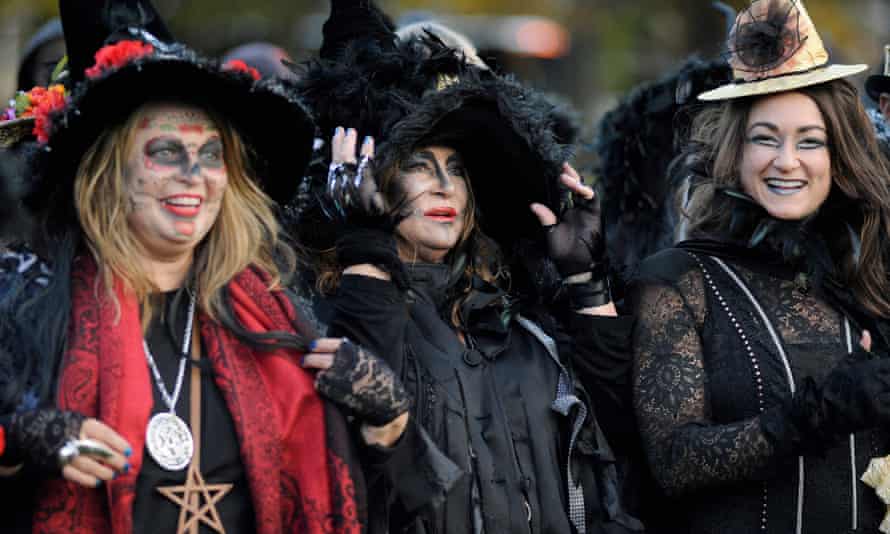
{"type": "Point", "coordinates": [367, 240]}
{"type": "Point", "coordinates": [84, 451]}
{"type": "Point", "coordinates": [576, 242]}
{"type": "Point", "coordinates": [360, 381]}
{"type": "Point", "coordinates": [351, 188]}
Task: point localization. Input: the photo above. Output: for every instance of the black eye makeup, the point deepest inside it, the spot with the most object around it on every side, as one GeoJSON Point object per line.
{"type": "Point", "coordinates": [811, 143]}
{"type": "Point", "coordinates": [416, 164]}
{"type": "Point", "coordinates": [166, 151]}
{"type": "Point", "coordinates": [210, 155]}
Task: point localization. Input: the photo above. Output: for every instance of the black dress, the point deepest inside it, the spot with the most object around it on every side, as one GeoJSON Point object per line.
{"type": "Point", "coordinates": [709, 373]}
{"type": "Point", "coordinates": [506, 410]}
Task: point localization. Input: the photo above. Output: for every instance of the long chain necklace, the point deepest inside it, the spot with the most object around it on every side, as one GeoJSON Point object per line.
{"type": "Point", "coordinates": [168, 439]}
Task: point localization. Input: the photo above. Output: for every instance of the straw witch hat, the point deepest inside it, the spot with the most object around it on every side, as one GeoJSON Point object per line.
{"type": "Point", "coordinates": [15, 130]}
{"type": "Point", "coordinates": [774, 47]}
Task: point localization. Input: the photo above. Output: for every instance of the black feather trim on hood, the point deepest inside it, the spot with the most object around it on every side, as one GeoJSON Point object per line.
{"type": "Point", "coordinates": [419, 93]}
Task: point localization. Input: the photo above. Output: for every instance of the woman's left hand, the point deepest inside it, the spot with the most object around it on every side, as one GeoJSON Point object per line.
{"type": "Point", "coordinates": [576, 243]}
{"type": "Point", "coordinates": [361, 381]}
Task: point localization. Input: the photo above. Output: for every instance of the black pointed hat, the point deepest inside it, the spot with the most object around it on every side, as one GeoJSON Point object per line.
{"type": "Point", "coordinates": [412, 92]}
{"type": "Point", "coordinates": [122, 56]}
{"type": "Point", "coordinates": [88, 25]}
{"type": "Point", "coordinates": [880, 82]}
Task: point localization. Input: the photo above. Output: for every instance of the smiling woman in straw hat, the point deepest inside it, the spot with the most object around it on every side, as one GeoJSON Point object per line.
{"type": "Point", "coordinates": [761, 378]}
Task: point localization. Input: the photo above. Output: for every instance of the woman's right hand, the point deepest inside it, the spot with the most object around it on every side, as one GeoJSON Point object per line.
{"type": "Point", "coordinates": [854, 396]}
{"type": "Point", "coordinates": [85, 451]}
{"type": "Point", "coordinates": [363, 383]}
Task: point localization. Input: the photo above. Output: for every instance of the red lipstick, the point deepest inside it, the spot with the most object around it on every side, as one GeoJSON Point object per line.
{"type": "Point", "coordinates": [441, 213]}
{"type": "Point", "coordinates": [183, 205]}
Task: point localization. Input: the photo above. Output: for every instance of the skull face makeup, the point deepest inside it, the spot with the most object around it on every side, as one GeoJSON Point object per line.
{"type": "Point", "coordinates": [175, 179]}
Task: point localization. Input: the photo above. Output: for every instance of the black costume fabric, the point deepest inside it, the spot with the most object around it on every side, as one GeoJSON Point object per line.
{"type": "Point", "coordinates": [220, 451]}
{"type": "Point", "coordinates": [710, 385]}
{"type": "Point", "coordinates": [492, 407]}
{"type": "Point", "coordinates": [637, 143]}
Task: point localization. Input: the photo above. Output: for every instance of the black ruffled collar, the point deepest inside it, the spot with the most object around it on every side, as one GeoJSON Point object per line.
{"type": "Point", "coordinates": [486, 310]}
{"type": "Point", "coordinates": [804, 250]}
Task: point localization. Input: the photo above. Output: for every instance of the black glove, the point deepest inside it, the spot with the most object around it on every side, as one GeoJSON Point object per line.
{"type": "Point", "coordinates": [365, 384]}
{"type": "Point", "coordinates": [37, 436]}
{"type": "Point", "coordinates": [854, 396]}
{"type": "Point", "coordinates": [577, 245]}
{"type": "Point", "coordinates": [367, 229]}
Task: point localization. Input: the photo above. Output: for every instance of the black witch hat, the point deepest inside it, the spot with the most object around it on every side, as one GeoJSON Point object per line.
{"type": "Point", "coordinates": [121, 56]}
{"type": "Point", "coordinates": [879, 83]}
{"type": "Point", "coordinates": [417, 91]}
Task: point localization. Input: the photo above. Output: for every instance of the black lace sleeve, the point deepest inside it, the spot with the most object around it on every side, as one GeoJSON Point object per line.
{"type": "Point", "coordinates": [685, 450]}
{"type": "Point", "coordinates": [23, 276]}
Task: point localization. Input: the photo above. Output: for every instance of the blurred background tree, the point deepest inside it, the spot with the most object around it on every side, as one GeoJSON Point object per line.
{"type": "Point", "coordinates": [589, 51]}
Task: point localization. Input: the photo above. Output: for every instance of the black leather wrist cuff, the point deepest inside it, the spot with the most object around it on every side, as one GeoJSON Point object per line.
{"type": "Point", "coordinates": [590, 294]}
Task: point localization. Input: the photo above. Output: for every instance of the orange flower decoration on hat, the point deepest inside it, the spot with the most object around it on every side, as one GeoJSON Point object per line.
{"type": "Point", "coordinates": [774, 47]}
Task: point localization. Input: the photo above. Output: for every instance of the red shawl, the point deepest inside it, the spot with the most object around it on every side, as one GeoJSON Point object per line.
{"type": "Point", "coordinates": [297, 482]}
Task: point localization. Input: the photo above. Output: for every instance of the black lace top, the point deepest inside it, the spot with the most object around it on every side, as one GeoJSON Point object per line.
{"type": "Point", "coordinates": [707, 370]}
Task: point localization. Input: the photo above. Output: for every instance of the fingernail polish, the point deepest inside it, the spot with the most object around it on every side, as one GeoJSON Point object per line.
{"type": "Point", "coordinates": [126, 468]}
{"type": "Point", "coordinates": [312, 345]}
{"type": "Point", "coordinates": [338, 131]}
{"type": "Point", "coordinates": [128, 452]}
{"type": "Point", "coordinates": [367, 140]}
{"type": "Point", "coordinates": [99, 483]}
{"type": "Point", "coordinates": [114, 475]}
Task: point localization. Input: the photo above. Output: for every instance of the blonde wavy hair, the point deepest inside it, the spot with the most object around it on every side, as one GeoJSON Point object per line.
{"type": "Point", "coordinates": [246, 232]}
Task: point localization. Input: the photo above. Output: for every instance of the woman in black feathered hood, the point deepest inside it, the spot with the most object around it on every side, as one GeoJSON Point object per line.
{"type": "Point", "coordinates": [762, 384]}
{"type": "Point", "coordinates": [435, 257]}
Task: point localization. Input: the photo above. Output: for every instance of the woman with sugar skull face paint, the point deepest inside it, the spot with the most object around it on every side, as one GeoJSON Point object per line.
{"type": "Point", "coordinates": [762, 384]}
{"type": "Point", "coordinates": [456, 260]}
{"type": "Point", "coordinates": [150, 376]}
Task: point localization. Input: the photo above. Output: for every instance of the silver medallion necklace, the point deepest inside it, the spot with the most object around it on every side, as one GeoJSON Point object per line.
{"type": "Point", "coordinates": [168, 439]}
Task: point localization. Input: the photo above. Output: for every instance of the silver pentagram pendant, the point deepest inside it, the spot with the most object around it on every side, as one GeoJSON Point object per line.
{"type": "Point", "coordinates": [169, 441]}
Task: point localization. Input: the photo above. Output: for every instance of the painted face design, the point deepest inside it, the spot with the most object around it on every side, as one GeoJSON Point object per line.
{"type": "Point", "coordinates": [175, 178]}
{"type": "Point", "coordinates": [786, 163]}
{"type": "Point", "coordinates": [434, 181]}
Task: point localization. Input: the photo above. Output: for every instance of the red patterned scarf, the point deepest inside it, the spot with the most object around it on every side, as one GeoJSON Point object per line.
{"type": "Point", "coordinates": [297, 482]}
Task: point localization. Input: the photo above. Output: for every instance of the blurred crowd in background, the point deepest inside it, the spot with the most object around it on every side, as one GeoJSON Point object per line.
{"type": "Point", "coordinates": [590, 52]}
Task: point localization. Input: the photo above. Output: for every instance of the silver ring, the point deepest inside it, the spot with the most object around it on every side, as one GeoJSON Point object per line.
{"type": "Point", "coordinates": [360, 173]}
{"type": "Point", "coordinates": [93, 448]}
{"type": "Point", "coordinates": [68, 453]}
{"type": "Point", "coordinates": [75, 447]}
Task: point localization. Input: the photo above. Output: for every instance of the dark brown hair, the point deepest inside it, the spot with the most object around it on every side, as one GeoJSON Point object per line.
{"type": "Point", "coordinates": [480, 253]}
{"type": "Point", "coordinates": [858, 171]}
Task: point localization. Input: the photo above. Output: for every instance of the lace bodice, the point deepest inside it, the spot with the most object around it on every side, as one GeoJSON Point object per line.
{"type": "Point", "coordinates": [689, 443]}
